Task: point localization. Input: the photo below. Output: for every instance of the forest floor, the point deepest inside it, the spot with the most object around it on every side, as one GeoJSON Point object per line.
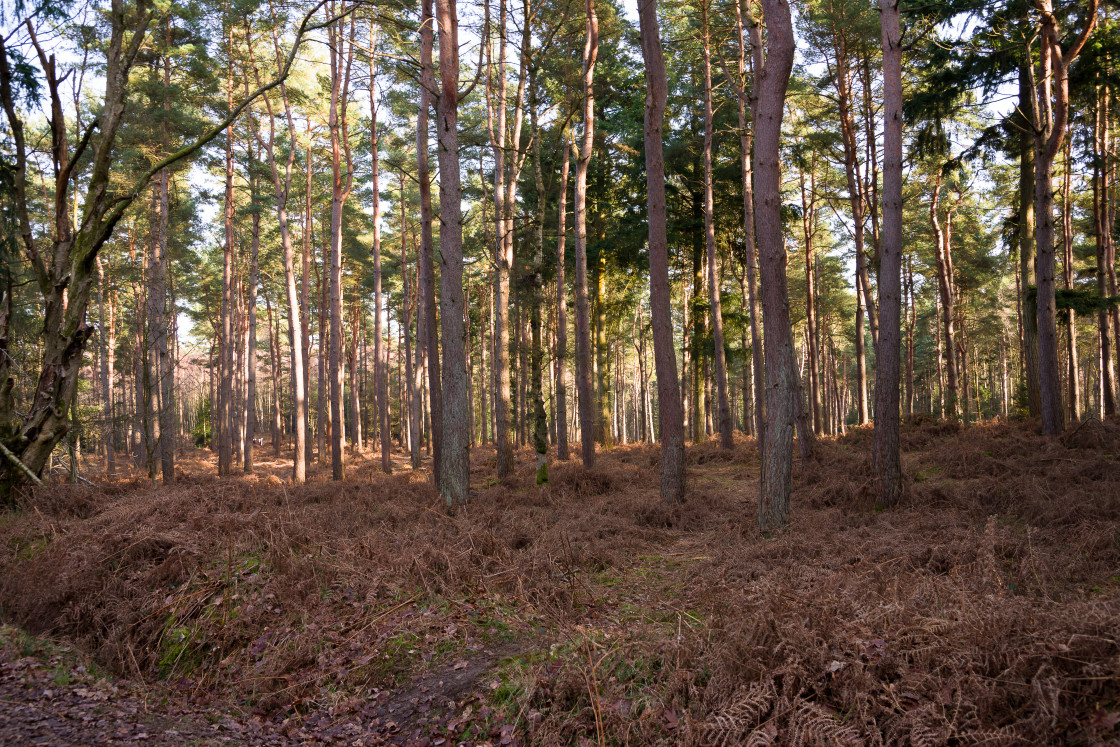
{"type": "Point", "coordinates": [984, 610]}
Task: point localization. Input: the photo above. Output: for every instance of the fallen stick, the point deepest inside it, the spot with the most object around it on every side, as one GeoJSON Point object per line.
{"type": "Point", "coordinates": [23, 467]}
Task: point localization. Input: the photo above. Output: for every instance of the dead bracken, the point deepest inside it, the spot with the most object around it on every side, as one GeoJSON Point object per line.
{"type": "Point", "coordinates": [984, 610]}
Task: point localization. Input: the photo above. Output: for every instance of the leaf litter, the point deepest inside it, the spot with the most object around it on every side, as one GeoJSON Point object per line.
{"type": "Point", "coordinates": [982, 611]}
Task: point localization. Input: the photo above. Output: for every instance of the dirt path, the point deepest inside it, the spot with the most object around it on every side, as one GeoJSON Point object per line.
{"type": "Point", "coordinates": [50, 695]}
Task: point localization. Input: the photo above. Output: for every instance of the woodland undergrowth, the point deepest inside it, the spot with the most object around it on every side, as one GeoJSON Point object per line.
{"type": "Point", "coordinates": [984, 610]}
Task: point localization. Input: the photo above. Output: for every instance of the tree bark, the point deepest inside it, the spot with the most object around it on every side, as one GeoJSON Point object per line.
{"type": "Point", "coordinates": [225, 419]}
{"type": "Point", "coordinates": [726, 440]}
{"type": "Point", "coordinates": [536, 288]}
{"type": "Point", "coordinates": [427, 272]}
{"type": "Point", "coordinates": [342, 55]}
{"type": "Point", "coordinates": [251, 317]}
{"type": "Point", "coordinates": [671, 416]}
{"type": "Point", "coordinates": [562, 306]}
{"type": "Point", "coordinates": [1027, 255]}
{"type": "Point", "coordinates": [808, 223]}
{"type": "Point", "coordinates": [781, 374]}
{"type": "Point", "coordinates": [1051, 116]}
{"type": "Point", "coordinates": [750, 249]}
{"type": "Point", "coordinates": [380, 365]}
{"type": "Point", "coordinates": [887, 454]}
{"type": "Point", "coordinates": [1107, 370]}
{"type": "Point", "coordinates": [583, 310]}
{"type": "Point", "coordinates": [1068, 278]}
{"type": "Point", "coordinates": [455, 472]}
{"type": "Point", "coordinates": [297, 324]}
{"type": "Point", "coordinates": [107, 339]}
{"type": "Point", "coordinates": [943, 249]}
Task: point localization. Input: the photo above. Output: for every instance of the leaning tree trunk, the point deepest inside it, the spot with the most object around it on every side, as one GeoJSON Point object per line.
{"type": "Point", "coordinates": [68, 274]}
{"type": "Point", "coordinates": [664, 351]}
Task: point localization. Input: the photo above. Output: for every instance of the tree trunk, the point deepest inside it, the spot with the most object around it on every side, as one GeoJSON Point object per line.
{"type": "Point", "coordinates": [781, 375]}
{"type": "Point", "coordinates": [671, 416]}
{"type": "Point", "coordinates": [1051, 116]}
{"type": "Point", "coordinates": [1028, 353]}
{"type": "Point", "coordinates": [887, 454]}
{"type": "Point", "coordinates": [225, 420]}
{"type": "Point", "coordinates": [107, 339]}
{"type": "Point", "coordinates": [355, 375]}
{"type": "Point", "coordinates": [158, 312]}
{"type": "Point", "coordinates": [305, 293]}
{"type": "Point", "coordinates": [380, 365]}
{"type": "Point", "coordinates": [455, 472]}
{"type": "Point", "coordinates": [342, 55]}
{"type": "Point", "coordinates": [410, 403]}
{"type": "Point", "coordinates": [536, 289]}
{"type": "Point", "coordinates": [298, 331]}
{"type": "Point", "coordinates": [750, 249]}
{"type": "Point", "coordinates": [911, 321]}
{"type": "Point", "coordinates": [562, 306]}
{"type": "Point", "coordinates": [1068, 278]}
{"type": "Point", "coordinates": [583, 311]}
{"type": "Point", "coordinates": [274, 374]}
{"type": "Point", "coordinates": [943, 249]}
{"type": "Point", "coordinates": [725, 425]}
{"type": "Point", "coordinates": [808, 224]}
{"type": "Point", "coordinates": [323, 419]}
{"type": "Point", "coordinates": [251, 316]}
{"type": "Point", "coordinates": [1107, 371]}
{"type": "Point", "coordinates": [427, 272]}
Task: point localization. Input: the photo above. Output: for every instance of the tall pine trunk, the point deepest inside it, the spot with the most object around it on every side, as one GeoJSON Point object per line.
{"type": "Point", "coordinates": [455, 472]}
{"type": "Point", "coordinates": [427, 272]}
{"type": "Point", "coordinates": [341, 57]}
{"type": "Point", "coordinates": [536, 289]}
{"type": "Point", "coordinates": [781, 372]}
{"type": "Point", "coordinates": [1051, 116]}
{"type": "Point", "coordinates": [725, 426]}
{"type": "Point", "coordinates": [251, 316]}
{"type": "Point", "coordinates": [583, 307]}
{"type": "Point", "coordinates": [562, 306]}
{"type": "Point", "coordinates": [887, 455]}
{"type": "Point", "coordinates": [750, 248]}
{"type": "Point", "coordinates": [664, 351]}
{"type": "Point", "coordinates": [380, 361]}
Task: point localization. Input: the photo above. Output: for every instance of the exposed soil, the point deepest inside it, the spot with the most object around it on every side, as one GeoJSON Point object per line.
{"type": "Point", "coordinates": [984, 610]}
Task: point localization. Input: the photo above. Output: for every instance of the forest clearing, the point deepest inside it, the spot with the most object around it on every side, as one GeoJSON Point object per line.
{"type": "Point", "coordinates": [983, 610]}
